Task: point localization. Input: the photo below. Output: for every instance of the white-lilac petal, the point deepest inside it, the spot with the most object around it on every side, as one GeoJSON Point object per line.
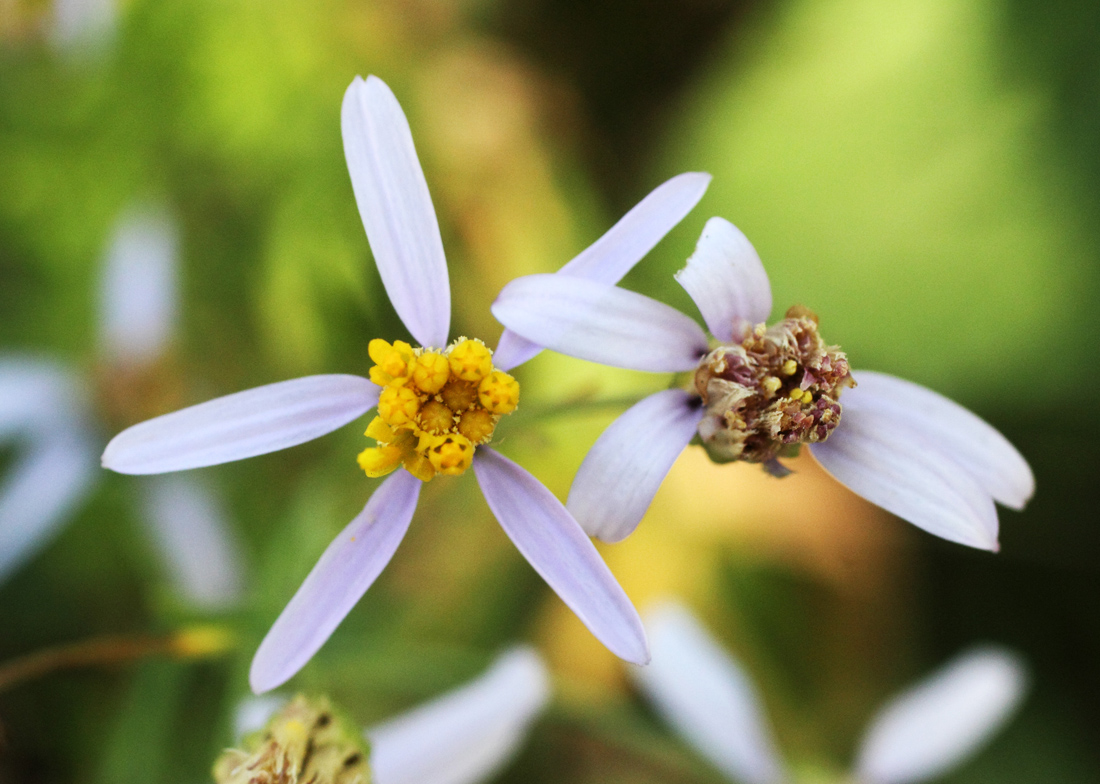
{"type": "Point", "coordinates": [81, 28]}
{"type": "Point", "coordinates": [40, 492]}
{"type": "Point", "coordinates": [254, 422]}
{"type": "Point", "coordinates": [192, 533]}
{"type": "Point", "coordinates": [614, 254]}
{"type": "Point", "coordinates": [558, 549]}
{"type": "Point", "coordinates": [907, 475]}
{"type": "Point", "coordinates": [727, 281]}
{"type": "Point", "coordinates": [253, 713]}
{"type": "Point", "coordinates": [139, 287]}
{"type": "Point", "coordinates": [37, 395]}
{"type": "Point", "coordinates": [464, 736]}
{"type": "Point", "coordinates": [622, 471]}
{"type": "Point", "coordinates": [342, 575]}
{"type": "Point", "coordinates": [600, 323]}
{"type": "Point", "coordinates": [704, 694]}
{"type": "Point", "coordinates": [945, 719]}
{"type": "Point", "coordinates": [959, 434]}
{"type": "Point", "coordinates": [396, 209]}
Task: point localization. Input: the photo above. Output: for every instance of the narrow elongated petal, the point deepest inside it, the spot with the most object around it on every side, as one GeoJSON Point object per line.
{"type": "Point", "coordinates": [906, 474]}
{"type": "Point", "coordinates": [244, 424]}
{"type": "Point", "coordinates": [343, 574]}
{"type": "Point", "coordinates": [556, 546]}
{"type": "Point", "coordinates": [959, 434]}
{"type": "Point", "coordinates": [703, 693]}
{"type": "Point", "coordinates": [727, 280]}
{"type": "Point", "coordinates": [620, 248]}
{"type": "Point", "coordinates": [37, 394]}
{"type": "Point", "coordinates": [40, 492]}
{"type": "Point", "coordinates": [934, 726]}
{"type": "Point", "coordinates": [194, 537]}
{"type": "Point", "coordinates": [396, 209]}
{"type": "Point", "coordinates": [467, 735]}
{"type": "Point", "coordinates": [625, 467]}
{"type": "Point", "coordinates": [139, 288]}
{"type": "Point", "coordinates": [600, 323]}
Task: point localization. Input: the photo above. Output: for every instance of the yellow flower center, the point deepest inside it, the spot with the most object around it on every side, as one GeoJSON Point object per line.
{"type": "Point", "coordinates": [436, 407]}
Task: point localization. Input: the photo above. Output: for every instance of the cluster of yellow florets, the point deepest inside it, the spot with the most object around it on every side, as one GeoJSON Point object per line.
{"type": "Point", "coordinates": [436, 407]}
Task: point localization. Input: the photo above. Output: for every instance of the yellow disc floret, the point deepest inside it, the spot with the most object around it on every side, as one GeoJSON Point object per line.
{"type": "Point", "coordinates": [436, 407]}
{"type": "Point", "coordinates": [499, 392]}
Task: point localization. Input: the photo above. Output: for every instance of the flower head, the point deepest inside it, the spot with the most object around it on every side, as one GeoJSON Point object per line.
{"type": "Point", "coordinates": [918, 735]}
{"type": "Point", "coordinates": [438, 405]}
{"type": "Point", "coordinates": [755, 393]}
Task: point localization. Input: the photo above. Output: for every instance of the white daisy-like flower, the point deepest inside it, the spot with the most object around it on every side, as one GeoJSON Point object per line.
{"type": "Point", "coordinates": [438, 406]}
{"type": "Point", "coordinates": [918, 735]}
{"type": "Point", "coordinates": [47, 409]}
{"type": "Point", "coordinates": [462, 737]}
{"type": "Point", "coordinates": [758, 392]}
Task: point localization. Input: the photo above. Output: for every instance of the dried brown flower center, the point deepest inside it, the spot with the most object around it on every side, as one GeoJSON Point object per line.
{"type": "Point", "coordinates": [777, 388]}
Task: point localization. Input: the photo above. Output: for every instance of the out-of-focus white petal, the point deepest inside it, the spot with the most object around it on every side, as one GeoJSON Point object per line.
{"type": "Point", "coordinates": [396, 209]}
{"type": "Point", "coordinates": [343, 574]}
{"type": "Point", "coordinates": [600, 323]}
{"type": "Point", "coordinates": [465, 736]}
{"type": "Point", "coordinates": [139, 288]}
{"type": "Point", "coordinates": [622, 472]}
{"type": "Point", "coordinates": [83, 27]}
{"type": "Point", "coordinates": [41, 492]}
{"type": "Point", "coordinates": [703, 693]}
{"type": "Point", "coordinates": [727, 281]}
{"type": "Point", "coordinates": [556, 546]}
{"type": "Point", "coordinates": [960, 434]}
{"type": "Point", "coordinates": [37, 394]}
{"type": "Point", "coordinates": [195, 539]}
{"type": "Point", "coordinates": [940, 722]}
{"type": "Point", "coordinates": [244, 424]}
{"type": "Point", "coordinates": [253, 713]}
{"type": "Point", "coordinates": [907, 474]}
{"type": "Point", "coordinates": [620, 248]}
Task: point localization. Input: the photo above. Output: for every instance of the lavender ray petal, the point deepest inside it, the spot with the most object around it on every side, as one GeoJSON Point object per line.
{"type": "Point", "coordinates": [706, 696]}
{"type": "Point", "coordinates": [244, 424]}
{"type": "Point", "coordinates": [620, 475]}
{"type": "Point", "coordinates": [396, 209]}
{"type": "Point", "coordinates": [342, 575]}
{"type": "Point", "coordinates": [556, 546]}
{"type": "Point", "coordinates": [726, 280]}
{"type": "Point", "coordinates": [960, 434]}
{"type": "Point", "coordinates": [932, 727]}
{"type": "Point", "coordinates": [600, 323]}
{"type": "Point", "coordinates": [464, 736]}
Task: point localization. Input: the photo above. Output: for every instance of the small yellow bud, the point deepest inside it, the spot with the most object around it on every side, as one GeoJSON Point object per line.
{"type": "Point", "coordinates": [379, 460]}
{"type": "Point", "coordinates": [378, 350]}
{"type": "Point", "coordinates": [459, 395]}
{"type": "Point", "coordinates": [789, 367]}
{"type": "Point", "coordinates": [772, 384]}
{"type": "Point", "coordinates": [435, 417]}
{"type": "Point", "coordinates": [430, 372]}
{"type": "Point", "coordinates": [398, 405]}
{"type": "Point", "coordinates": [471, 360]}
{"type": "Point", "coordinates": [419, 466]}
{"type": "Point", "coordinates": [499, 392]}
{"type": "Point", "coordinates": [452, 455]}
{"type": "Point", "coordinates": [379, 431]}
{"type": "Point", "coordinates": [796, 394]}
{"type": "Point", "coordinates": [477, 425]}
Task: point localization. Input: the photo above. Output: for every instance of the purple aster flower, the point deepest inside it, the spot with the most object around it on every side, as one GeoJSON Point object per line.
{"type": "Point", "coordinates": [918, 735]}
{"type": "Point", "coordinates": [48, 411]}
{"type": "Point", "coordinates": [757, 393]}
{"type": "Point", "coordinates": [438, 405]}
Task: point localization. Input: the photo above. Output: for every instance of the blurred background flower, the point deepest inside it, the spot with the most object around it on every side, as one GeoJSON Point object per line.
{"type": "Point", "coordinates": [930, 169]}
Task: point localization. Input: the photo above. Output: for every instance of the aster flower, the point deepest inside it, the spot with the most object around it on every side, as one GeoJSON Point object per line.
{"type": "Point", "coordinates": [756, 394]}
{"type": "Point", "coordinates": [438, 405]}
{"type": "Point", "coordinates": [462, 737]}
{"type": "Point", "coordinates": [918, 735]}
{"type": "Point", "coordinates": [47, 409]}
